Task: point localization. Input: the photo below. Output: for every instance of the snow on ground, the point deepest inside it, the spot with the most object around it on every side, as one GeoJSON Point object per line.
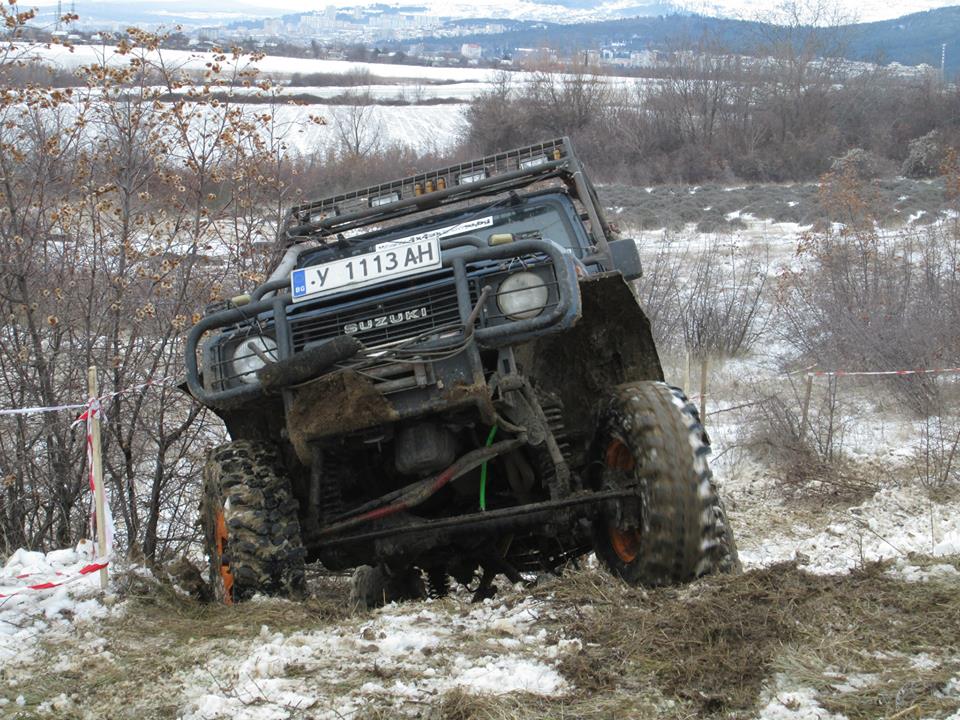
{"type": "Point", "coordinates": [280, 68]}
{"type": "Point", "coordinates": [425, 129]}
{"type": "Point", "coordinates": [28, 615]}
{"type": "Point", "coordinates": [891, 525]}
{"type": "Point", "coordinates": [790, 701]}
{"type": "Point", "coordinates": [419, 651]}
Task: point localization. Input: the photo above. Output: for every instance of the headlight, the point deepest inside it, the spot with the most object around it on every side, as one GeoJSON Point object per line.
{"type": "Point", "coordinates": [522, 295]}
{"type": "Point", "coordinates": [250, 355]}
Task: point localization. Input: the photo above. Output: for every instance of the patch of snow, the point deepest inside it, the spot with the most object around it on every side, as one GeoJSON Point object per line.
{"type": "Point", "coordinates": [905, 570]}
{"type": "Point", "coordinates": [498, 676]}
{"type": "Point", "coordinates": [847, 683]}
{"type": "Point", "coordinates": [893, 523]}
{"type": "Point", "coordinates": [27, 615]}
{"type": "Point", "coordinates": [949, 545]}
{"type": "Point", "coordinates": [791, 702]}
{"type": "Point", "coordinates": [423, 649]}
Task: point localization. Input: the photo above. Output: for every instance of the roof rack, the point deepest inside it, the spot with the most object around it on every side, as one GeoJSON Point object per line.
{"type": "Point", "coordinates": [484, 176]}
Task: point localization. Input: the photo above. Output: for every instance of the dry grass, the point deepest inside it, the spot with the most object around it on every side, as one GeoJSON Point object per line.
{"type": "Point", "coordinates": [608, 705]}
{"type": "Point", "coordinates": [714, 645]}
{"type": "Point", "coordinates": [706, 650]}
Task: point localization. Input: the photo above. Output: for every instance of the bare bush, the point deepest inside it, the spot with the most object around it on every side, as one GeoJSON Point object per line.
{"type": "Point", "coordinates": [121, 216]}
{"type": "Point", "coordinates": [658, 290]}
{"type": "Point", "coordinates": [708, 303]}
{"type": "Point", "coordinates": [923, 156]}
{"type": "Point", "coordinates": [358, 127]}
{"type": "Point", "coordinates": [809, 458]}
{"type": "Point", "coordinates": [861, 163]}
{"type": "Point", "coordinates": [936, 460]}
{"type": "Point", "coordinates": [723, 311]}
{"type": "Point", "coordinates": [936, 463]}
{"type": "Point", "coordinates": [870, 300]}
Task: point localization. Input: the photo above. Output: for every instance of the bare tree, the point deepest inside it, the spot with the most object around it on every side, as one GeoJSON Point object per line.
{"type": "Point", "coordinates": [122, 215]}
{"type": "Point", "coordinates": [358, 127]}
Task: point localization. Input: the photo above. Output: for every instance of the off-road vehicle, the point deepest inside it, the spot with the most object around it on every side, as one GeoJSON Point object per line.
{"type": "Point", "coordinates": [449, 375]}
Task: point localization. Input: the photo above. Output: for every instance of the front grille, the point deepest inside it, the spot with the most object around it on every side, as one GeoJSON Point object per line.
{"type": "Point", "coordinates": [381, 321]}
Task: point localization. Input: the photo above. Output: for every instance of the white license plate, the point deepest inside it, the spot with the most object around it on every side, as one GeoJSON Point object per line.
{"type": "Point", "coordinates": [367, 269]}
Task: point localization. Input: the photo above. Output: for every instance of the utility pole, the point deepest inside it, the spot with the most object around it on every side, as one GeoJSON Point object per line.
{"type": "Point", "coordinates": [943, 63]}
{"type": "Point", "coordinates": [59, 14]}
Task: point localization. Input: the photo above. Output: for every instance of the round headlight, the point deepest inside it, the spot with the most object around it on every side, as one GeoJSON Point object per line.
{"type": "Point", "coordinates": [250, 355]}
{"type": "Point", "coordinates": [522, 295]}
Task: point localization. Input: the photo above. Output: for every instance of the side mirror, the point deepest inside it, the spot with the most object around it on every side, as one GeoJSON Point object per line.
{"type": "Point", "coordinates": [626, 258]}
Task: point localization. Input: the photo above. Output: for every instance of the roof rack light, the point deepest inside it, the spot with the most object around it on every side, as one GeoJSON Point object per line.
{"type": "Point", "coordinates": [472, 177]}
{"type": "Point", "coordinates": [533, 162]}
{"type": "Point", "coordinates": [381, 200]}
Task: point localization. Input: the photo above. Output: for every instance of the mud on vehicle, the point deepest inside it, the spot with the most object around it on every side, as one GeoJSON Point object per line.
{"type": "Point", "coordinates": [449, 376]}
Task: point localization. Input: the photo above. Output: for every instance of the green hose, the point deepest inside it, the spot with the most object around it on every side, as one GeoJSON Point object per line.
{"type": "Point", "coordinates": [483, 471]}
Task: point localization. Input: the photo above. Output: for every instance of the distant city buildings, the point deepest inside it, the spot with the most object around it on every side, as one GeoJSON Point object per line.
{"type": "Point", "coordinates": [471, 51]}
{"type": "Point", "coordinates": [389, 34]}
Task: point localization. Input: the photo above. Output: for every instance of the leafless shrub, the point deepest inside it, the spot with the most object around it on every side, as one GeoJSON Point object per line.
{"type": "Point", "coordinates": [709, 303]}
{"type": "Point", "coordinates": [723, 311]}
{"type": "Point", "coordinates": [862, 163]}
{"type": "Point", "coordinates": [358, 127]}
{"type": "Point", "coordinates": [936, 462]}
{"type": "Point", "coordinates": [923, 156]}
{"type": "Point", "coordinates": [121, 216]}
{"type": "Point", "coordinates": [869, 300]}
{"type": "Point", "coordinates": [659, 293]}
{"type": "Point", "coordinates": [809, 458]}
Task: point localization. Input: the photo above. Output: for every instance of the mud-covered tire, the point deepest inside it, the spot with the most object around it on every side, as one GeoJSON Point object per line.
{"type": "Point", "coordinates": [249, 518]}
{"type": "Point", "coordinates": [651, 437]}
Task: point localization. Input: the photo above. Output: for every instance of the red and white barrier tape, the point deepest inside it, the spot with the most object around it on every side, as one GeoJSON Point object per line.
{"type": "Point", "coordinates": [80, 406]}
{"type": "Point", "coordinates": [92, 567]}
{"type": "Point", "coordinates": [878, 373]}
{"type": "Point", "coordinates": [38, 410]}
{"type": "Point", "coordinates": [95, 411]}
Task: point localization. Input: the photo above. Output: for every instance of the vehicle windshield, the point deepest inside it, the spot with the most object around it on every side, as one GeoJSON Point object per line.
{"type": "Point", "coordinates": [548, 218]}
{"type": "Point", "coordinates": [545, 220]}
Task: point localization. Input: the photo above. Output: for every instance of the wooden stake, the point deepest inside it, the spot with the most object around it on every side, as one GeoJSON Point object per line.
{"type": "Point", "coordinates": [704, 366]}
{"type": "Point", "coordinates": [96, 467]}
{"type": "Point", "coordinates": [805, 408]}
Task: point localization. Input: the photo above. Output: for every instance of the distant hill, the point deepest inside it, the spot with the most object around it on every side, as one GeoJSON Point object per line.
{"type": "Point", "coordinates": [909, 40]}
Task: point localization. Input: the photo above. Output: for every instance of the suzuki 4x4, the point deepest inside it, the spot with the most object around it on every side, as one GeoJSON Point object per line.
{"type": "Point", "coordinates": [449, 375]}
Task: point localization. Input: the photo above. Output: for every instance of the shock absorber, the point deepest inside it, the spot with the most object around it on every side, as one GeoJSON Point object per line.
{"type": "Point", "coordinates": [326, 497]}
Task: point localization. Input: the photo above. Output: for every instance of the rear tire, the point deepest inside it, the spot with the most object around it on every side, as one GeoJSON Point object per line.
{"type": "Point", "coordinates": [250, 524]}
{"type": "Point", "coordinates": [651, 438]}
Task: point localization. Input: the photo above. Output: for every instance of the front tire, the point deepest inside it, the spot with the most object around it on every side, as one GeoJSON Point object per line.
{"type": "Point", "coordinates": [651, 438]}
{"type": "Point", "coordinates": [249, 518]}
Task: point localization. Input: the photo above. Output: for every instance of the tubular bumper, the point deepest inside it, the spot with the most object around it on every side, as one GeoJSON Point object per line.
{"type": "Point", "coordinates": [558, 317]}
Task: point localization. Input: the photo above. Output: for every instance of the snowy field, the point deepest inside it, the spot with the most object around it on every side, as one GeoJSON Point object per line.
{"type": "Point", "coordinates": [282, 68]}
{"type": "Point", "coordinates": [814, 629]}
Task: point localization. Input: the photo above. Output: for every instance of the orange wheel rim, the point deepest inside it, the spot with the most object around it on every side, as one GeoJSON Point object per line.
{"type": "Point", "coordinates": [625, 543]}
{"type": "Point", "coordinates": [619, 457]}
{"type": "Point", "coordinates": [225, 575]}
